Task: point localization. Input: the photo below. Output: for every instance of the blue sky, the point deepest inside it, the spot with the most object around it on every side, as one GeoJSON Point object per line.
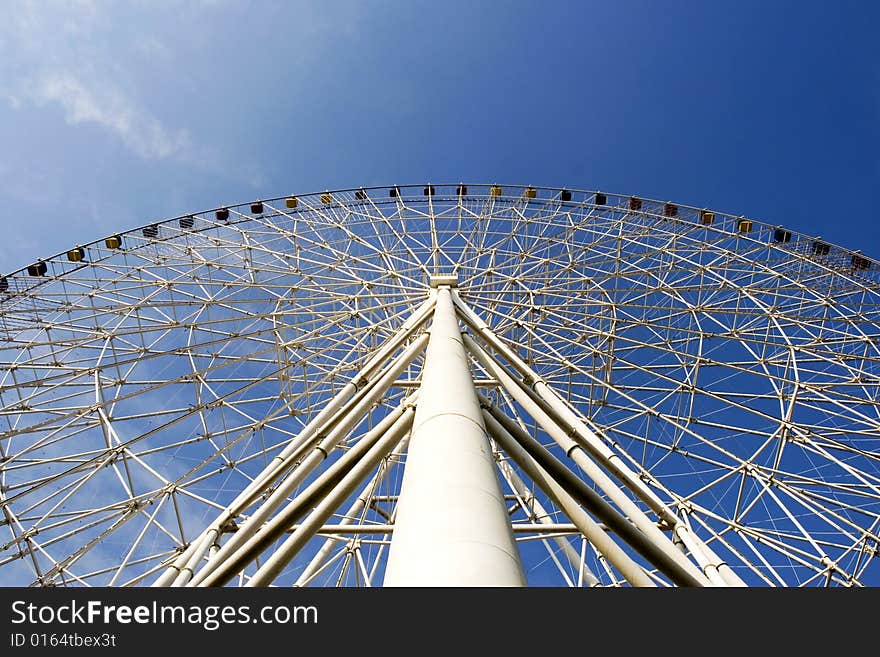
{"type": "Point", "coordinates": [113, 114]}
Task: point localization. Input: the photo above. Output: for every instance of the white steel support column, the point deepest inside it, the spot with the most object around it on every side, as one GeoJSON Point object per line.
{"type": "Point", "coordinates": [317, 454]}
{"type": "Point", "coordinates": [590, 529]}
{"type": "Point", "coordinates": [179, 570]}
{"type": "Point", "coordinates": [544, 519]}
{"type": "Point", "coordinates": [559, 412]}
{"type": "Point", "coordinates": [328, 505]}
{"type": "Point", "coordinates": [629, 509]}
{"type": "Point", "coordinates": [348, 520]}
{"type": "Point", "coordinates": [452, 527]}
{"type": "Point", "coordinates": [386, 433]}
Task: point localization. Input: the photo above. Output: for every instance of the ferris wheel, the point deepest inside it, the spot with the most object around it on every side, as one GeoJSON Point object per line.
{"type": "Point", "coordinates": [442, 384]}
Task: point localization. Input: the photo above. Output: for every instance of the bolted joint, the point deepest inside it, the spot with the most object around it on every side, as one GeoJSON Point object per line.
{"type": "Point", "coordinates": [229, 527]}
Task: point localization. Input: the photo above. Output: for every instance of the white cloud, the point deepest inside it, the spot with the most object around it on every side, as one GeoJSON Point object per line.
{"type": "Point", "coordinates": [53, 54]}
{"type": "Point", "coordinates": [108, 107]}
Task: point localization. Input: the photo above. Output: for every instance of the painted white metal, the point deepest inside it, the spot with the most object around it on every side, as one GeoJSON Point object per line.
{"type": "Point", "coordinates": [540, 514]}
{"type": "Point", "coordinates": [283, 555]}
{"type": "Point", "coordinates": [573, 451]}
{"type": "Point", "coordinates": [452, 527]}
{"type": "Point", "coordinates": [562, 414]}
{"type": "Point", "coordinates": [230, 565]}
{"type": "Point", "coordinates": [348, 519]}
{"type": "Point", "coordinates": [541, 529]}
{"type": "Point", "coordinates": [628, 568]}
{"type": "Point", "coordinates": [593, 502]}
{"type": "Point", "coordinates": [179, 571]}
{"type": "Point", "coordinates": [714, 567]}
{"type": "Point", "coordinates": [339, 428]}
{"type": "Point", "coordinates": [186, 572]}
{"type": "Point", "coordinates": [588, 437]}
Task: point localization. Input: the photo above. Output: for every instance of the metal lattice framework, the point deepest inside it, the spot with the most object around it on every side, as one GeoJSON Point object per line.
{"type": "Point", "coordinates": [665, 395]}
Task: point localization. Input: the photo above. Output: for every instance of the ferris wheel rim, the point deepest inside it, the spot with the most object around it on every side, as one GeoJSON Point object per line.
{"type": "Point", "coordinates": [870, 263]}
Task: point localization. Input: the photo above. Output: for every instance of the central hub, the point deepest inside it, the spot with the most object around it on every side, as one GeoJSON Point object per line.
{"type": "Point", "coordinates": [444, 279]}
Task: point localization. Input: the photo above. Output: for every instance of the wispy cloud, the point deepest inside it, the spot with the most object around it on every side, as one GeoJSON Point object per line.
{"type": "Point", "coordinates": [109, 108]}
{"type": "Point", "coordinates": [52, 55]}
